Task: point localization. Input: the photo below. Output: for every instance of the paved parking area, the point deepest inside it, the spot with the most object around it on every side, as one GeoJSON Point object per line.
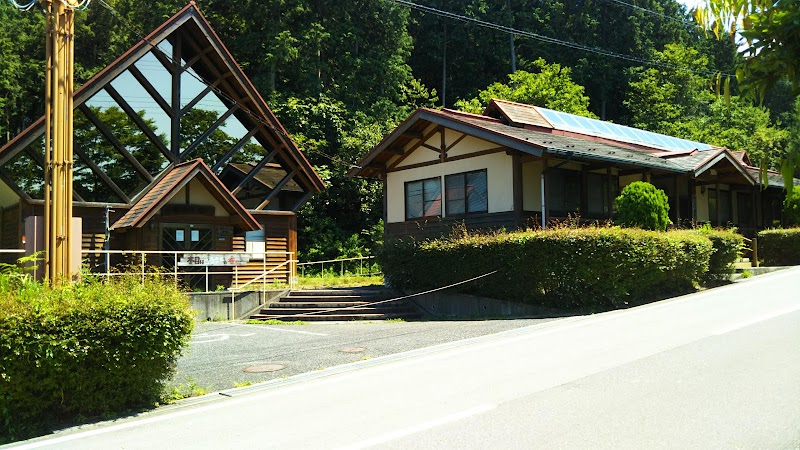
{"type": "Point", "coordinates": [225, 355]}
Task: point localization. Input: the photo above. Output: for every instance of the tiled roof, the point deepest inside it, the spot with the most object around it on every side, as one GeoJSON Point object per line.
{"type": "Point", "coordinates": [170, 183]}
{"type": "Point", "coordinates": [269, 176]}
{"type": "Point", "coordinates": [519, 113]}
{"type": "Point", "coordinates": [566, 145]}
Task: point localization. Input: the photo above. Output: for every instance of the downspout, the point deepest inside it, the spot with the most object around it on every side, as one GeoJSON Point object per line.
{"type": "Point", "coordinates": [544, 206]}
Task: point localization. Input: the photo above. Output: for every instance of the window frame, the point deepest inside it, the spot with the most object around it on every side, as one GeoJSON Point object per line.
{"type": "Point", "coordinates": [466, 195]}
{"type": "Point", "coordinates": [406, 198]}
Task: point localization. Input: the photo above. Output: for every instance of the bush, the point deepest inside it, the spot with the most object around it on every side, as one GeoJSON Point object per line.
{"type": "Point", "coordinates": [642, 205]}
{"type": "Point", "coordinates": [728, 247]}
{"type": "Point", "coordinates": [780, 247]}
{"type": "Point", "coordinates": [791, 207]}
{"type": "Point", "coordinates": [85, 350]}
{"type": "Point", "coordinates": [595, 268]}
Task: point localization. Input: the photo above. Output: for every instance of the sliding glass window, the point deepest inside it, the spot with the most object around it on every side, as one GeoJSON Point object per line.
{"type": "Point", "coordinates": [466, 193]}
{"type": "Point", "coordinates": [423, 198]}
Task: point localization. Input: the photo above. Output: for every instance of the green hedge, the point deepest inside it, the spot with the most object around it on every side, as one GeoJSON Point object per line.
{"type": "Point", "coordinates": [597, 268]}
{"type": "Point", "coordinates": [728, 248]}
{"type": "Point", "coordinates": [779, 247]}
{"type": "Point", "coordinates": [84, 351]}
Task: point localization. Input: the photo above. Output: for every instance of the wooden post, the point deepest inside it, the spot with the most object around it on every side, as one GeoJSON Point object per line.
{"type": "Point", "coordinates": [719, 204]}
{"type": "Point", "coordinates": [517, 182]}
{"type": "Point", "coordinates": [754, 262]}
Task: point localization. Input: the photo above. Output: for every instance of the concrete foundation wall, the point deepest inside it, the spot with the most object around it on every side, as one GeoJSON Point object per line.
{"type": "Point", "coordinates": [462, 306]}
{"type": "Point", "coordinates": [220, 305]}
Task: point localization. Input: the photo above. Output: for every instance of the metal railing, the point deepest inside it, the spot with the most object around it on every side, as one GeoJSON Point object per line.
{"type": "Point", "coordinates": [291, 263]}
{"type": "Point", "coordinates": [173, 263]}
{"type": "Point", "coordinates": [341, 266]}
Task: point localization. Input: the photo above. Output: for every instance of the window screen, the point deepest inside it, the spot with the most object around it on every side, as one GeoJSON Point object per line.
{"type": "Point", "coordinates": [466, 193]}
{"type": "Point", "coordinates": [423, 198]}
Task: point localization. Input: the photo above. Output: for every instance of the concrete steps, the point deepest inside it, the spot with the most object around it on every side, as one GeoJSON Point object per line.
{"type": "Point", "coordinates": [338, 304]}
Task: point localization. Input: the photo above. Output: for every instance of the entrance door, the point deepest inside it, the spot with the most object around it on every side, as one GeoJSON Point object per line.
{"type": "Point", "coordinates": [186, 238]}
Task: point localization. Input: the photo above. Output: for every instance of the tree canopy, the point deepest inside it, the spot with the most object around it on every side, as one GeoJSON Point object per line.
{"type": "Point", "coordinates": [340, 75]}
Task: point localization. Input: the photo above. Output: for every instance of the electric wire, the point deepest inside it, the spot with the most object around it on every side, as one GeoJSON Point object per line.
{"type": "Point", "coordinates": [23, 7]}
{"type": "Point", "coordinates": [552, 40]}
{"type": "Point", "coordinates": [650, 11]}
{"type": "Point", "coordinates": [218, 91]}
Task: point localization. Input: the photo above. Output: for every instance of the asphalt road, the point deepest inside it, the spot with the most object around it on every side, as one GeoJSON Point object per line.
{"type": "Point", "coordinates": [225, 355]}
{"type": "Point", "coordinates": [717, 369]}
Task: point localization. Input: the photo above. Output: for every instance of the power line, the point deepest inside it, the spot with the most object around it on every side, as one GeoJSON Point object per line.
{"type": "Point", "coordinates": [552, 40]}
{"type": "Point", "coordinates": [217, 90]}
{"type": "Point", "coordinates": [650, 11]}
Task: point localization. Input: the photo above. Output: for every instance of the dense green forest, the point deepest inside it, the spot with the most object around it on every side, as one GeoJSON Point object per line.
{"type": "Point", "coordinates": [340, 75]}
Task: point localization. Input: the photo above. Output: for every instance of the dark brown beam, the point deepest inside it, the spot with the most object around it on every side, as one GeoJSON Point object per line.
{"type": "Point", "coordinates": [151, 90]}
{"type": "Point", "coordinates": [200, 96]}
{"type": "Point", "coordinates": [175, 137]}
{"type": "Point", "coordinates": [277, 189]}
{"type": "Point", "coordinates": [4, 176]}
{"type": "Point", "coordinates": [139, 122]}
{"type": "Point", "coordinates": [115, 142]}
{"type": "Point", "coordinates": [301, 201]}
{"type": "Point", "coordinates": [413, 134]}
{"type": "Point", "coordinates": [255, 170]}
{"type": "Point", "coordinates": [208, 132]}
{"type": "Point", "coordinates": [102, 175]}
{"type": "Point", "coordinates": [241, 143]}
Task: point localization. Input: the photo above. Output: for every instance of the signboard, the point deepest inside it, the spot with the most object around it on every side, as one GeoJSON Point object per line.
{"type": "Point", "coordinates": [214, 259]}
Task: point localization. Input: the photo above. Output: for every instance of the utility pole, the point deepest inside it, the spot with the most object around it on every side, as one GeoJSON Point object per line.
{"type": "Point", "coordinates": [60, 53]}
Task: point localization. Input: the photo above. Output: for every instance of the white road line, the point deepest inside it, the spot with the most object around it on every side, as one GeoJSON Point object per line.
{"type": "Point", "coordinates": [290, 331]}
{"type": "Point", "coordinates": [264, 327]}
{"type": "Point", "coordinates": [381, 439]}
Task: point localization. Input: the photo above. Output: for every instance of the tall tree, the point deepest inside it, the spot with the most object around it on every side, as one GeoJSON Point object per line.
{"type": "Point", "coordinates": [546, 85]}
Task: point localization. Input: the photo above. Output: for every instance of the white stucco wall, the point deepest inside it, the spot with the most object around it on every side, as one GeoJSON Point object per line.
{"type": "Point", "coordinates": [628, 179]}
{"type": "Point", "coordinates": [532, 186]}
{"type": "Point", "coordinates": [199, 195]}
{"type": "Point", "coordinates": [498, 177]}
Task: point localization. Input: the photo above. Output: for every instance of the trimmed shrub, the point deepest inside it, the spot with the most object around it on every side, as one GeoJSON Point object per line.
{"type": "Point", "coordinates": [728, 248]}
{"type": "Point", "coordinates": [86, 350]}
{"type": "Point", "coordinates": [595, 268]}
{"type": "Point", "coordinates": [791, 207]}
{"type": "Point", "coordinates": [779, 247]}
{"type": "Point", "coordinates": [641, 205]}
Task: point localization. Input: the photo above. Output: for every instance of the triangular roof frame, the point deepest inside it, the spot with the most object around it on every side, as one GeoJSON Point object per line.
{"type": "Point", "coordinates": [189, 20]}
{"type": "Point", "coordinates": [150, 201]}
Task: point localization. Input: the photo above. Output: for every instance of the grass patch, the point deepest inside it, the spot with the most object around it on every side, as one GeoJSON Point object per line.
{"type": "Point", "coordinates": [275, 322]}
{"type": "Point", "coordinates": [182, 391]}
{"type": "Point", "coordinates": [329, 280]}
{"type": "Point", "coordinates": [241, 384]}
{"type": "Point", "coordinates": [395, 320]}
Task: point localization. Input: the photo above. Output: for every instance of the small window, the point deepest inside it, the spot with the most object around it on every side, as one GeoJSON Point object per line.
{"type": "Point", "coordinates": [423, 198]}
{"type": "Point", "coordinates": [466, 193]}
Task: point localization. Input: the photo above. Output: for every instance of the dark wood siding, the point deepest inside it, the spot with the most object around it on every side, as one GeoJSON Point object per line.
{"type": "Point", "coordinates": [442, 226]}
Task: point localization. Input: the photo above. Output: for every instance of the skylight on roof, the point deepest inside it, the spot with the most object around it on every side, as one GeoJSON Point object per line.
{"type": "Point", "coordinates": [594, 127]}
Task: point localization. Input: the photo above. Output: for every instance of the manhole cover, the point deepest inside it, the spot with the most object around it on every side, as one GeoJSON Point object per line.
{"type": "Point", "coordinates": [353, 350]}
{"type": "Point", "coordinates": [264, 368]}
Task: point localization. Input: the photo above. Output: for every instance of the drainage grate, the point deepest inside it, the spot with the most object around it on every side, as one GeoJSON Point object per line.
{"type": "Point", "coordinates": [264, 368]}
{"type": "Point", "coordinates": [353, 350]}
